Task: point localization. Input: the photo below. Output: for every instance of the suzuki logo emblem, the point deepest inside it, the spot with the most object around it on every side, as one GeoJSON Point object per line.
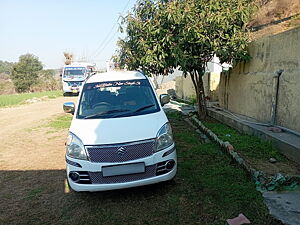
{"type": "Point", "coordinates": [121, 151]}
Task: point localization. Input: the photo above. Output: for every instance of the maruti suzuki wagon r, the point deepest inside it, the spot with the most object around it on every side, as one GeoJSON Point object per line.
{"type": "Point", "coordinates": [120, 136]}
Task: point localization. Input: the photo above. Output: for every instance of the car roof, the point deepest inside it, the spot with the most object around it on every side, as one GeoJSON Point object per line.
{"type": "Point", "coordinates": [115, 76]}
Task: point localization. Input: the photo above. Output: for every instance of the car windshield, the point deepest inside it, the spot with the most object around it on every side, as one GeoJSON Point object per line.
{"type": "Point", "coordinates": [115, 99]}
{"type": "Point", "coordinates": [73, 71]}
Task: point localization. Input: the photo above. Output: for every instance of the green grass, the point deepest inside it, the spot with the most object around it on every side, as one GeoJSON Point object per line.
{"type": "Point", "coordinates": [34, 193]}
{"type": "Point", "coordinates": [190, 101]}
{"type": "Point", "coordinates": [61, 122]}
{"type": "Point", "coordinates": [250, 146]}
{"type": "Point", "coordinates": [214, 186]}
{"type": "Point", "coordinates": [16, 99]}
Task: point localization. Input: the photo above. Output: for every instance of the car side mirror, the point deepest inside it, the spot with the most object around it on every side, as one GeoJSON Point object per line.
{"type": "Point", "coordinates": [69, 107]}
{"type": "Point", "coordinates": [164, 99]}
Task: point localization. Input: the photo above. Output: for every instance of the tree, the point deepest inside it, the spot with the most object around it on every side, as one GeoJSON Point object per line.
{"type": "Point", "coordinates": [146, 45]}
{"type": "Point", "coordinates": [25, 73]}
{"type": "Point", "coordinates": [208, 28]}
{"type": "Point", "coordinates": [6, 67]}
{"type": "Point", "coordinates": [163, 35]}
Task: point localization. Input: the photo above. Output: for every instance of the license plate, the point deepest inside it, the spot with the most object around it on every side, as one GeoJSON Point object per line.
{"type": "Point", "coordinates": [74, 91]}
{"type": "Point", "coordinates": [108, 171]}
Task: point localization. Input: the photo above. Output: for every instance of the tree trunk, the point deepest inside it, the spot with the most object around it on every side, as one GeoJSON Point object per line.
{"type": "Point", "coordinates": [200, 96]}
{"type": "Point", "coordinates": [162, 79]}
{"type": "Point", "coordinates": [155, 81]}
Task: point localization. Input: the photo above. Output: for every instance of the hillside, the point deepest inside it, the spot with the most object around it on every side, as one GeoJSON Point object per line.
{"type": "Point", "coordinates": [271, 12]}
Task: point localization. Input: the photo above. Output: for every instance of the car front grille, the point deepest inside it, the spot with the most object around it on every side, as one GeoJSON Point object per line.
{"type": "Point", "coordinates": [97, 177]}
{"type": "Point", "coordinates": [87, 177]}
{"type": "Point", "coordinates": [121, 152]}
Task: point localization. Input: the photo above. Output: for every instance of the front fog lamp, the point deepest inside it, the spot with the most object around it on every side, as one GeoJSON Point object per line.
{"type": "Point", "coordinates": [164, 137]}
{"type": "Point", "coordinates": [75, 148]}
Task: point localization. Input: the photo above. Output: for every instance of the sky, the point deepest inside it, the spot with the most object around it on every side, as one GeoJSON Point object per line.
{"type": "Point", "coordinates": [47, 28]}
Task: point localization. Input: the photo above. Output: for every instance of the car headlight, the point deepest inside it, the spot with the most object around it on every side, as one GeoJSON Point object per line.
{"type": "Point", "coordinates": [164, 137]}
{"type": "Point", "coordinates": [75, 148]}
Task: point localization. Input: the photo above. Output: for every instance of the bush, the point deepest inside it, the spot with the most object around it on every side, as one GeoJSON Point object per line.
{"type": "Point", "coordinates": [6, 87]}
{"type": "Point", "coordinates": [47, 81]}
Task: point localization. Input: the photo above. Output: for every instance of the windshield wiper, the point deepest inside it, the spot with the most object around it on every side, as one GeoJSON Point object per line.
{"type": "Point", "coordinates": [144, 107]}
{"type": "Point", "coordinates": [132, 112]}
{"type": "Point", "coordinates": [105, 113]}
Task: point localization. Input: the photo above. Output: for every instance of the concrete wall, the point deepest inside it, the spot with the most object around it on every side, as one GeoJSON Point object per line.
{"type": "Point", "coordinates": [185, 89]}
{"type": "Point", "coordinates": [166, 87]}
{"type": "Point", "coordinates": [213, 86]}
{"type": "Point", "coordinates": [248, 88]}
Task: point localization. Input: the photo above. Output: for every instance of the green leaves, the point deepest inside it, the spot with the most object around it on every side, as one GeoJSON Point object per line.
{"type": "Point", "coordinates": [6, 67]}
{"type": "Point", "coordinates": [162, 34]}
{"type": "Point", "coordinates": [185, 34]}
{"type": "Point", "coordinates": [25, 73]}
{"type": "Point", "coordinates": [148, 44]}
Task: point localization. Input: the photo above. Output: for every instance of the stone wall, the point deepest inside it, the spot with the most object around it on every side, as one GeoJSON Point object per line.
{"type": "Point", "coordinates": [248, 88]}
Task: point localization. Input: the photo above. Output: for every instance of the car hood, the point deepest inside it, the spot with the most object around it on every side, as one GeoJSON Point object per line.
{"type": "Point", "coordinates": [118, 130]}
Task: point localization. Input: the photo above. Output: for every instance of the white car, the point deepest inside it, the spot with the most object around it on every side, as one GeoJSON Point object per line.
{"type": "Point", "coordinates": [120, 136]}
{"type": "Point", "coordinates": [74, 75]}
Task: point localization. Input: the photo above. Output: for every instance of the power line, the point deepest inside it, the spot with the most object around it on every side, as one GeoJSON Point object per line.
{"type": "Point", "coordinates": [106, 40]}
{"type": "Point", "coordinates": [106, 44]}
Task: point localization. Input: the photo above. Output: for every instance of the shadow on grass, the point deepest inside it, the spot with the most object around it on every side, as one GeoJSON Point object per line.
{"type": "Point", "coordinates": [41, 197]}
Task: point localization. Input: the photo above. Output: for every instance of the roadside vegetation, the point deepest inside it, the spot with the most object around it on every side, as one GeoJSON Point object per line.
{"type": "Point", "coordinates": [61, 122]}
{"type": "Point", "coordinates": [248, 145]}
{"type": "Point", "coordinates": [256, 151]}
{"type": "Point", "coordinates": [16, 99]}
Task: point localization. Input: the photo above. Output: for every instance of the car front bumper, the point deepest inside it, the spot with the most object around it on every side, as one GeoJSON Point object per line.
{"type": "Point", "coordinates": [123, 181]}
{"type": "Point", "coordinates": [69, 89]}
{"type": "Point", "coordinates": [72, 88]}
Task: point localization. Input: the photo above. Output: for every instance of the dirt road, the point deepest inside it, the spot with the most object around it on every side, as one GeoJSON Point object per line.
{"type": "Point", "coordinates": [23, 135]}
